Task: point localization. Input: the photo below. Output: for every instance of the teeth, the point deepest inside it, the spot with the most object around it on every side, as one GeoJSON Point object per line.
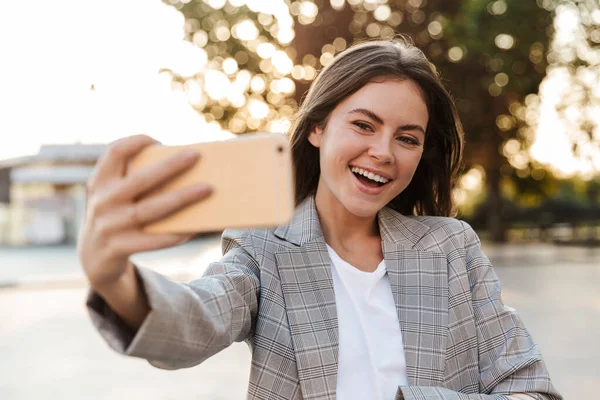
{"type": "Point", "coordinates": [370, 175]}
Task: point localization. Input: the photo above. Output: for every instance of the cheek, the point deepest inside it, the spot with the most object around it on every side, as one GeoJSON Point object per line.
{"type": "Point", "coordinates": [408, 164]}
{"type": "Point", "coordinates": [337, 151]}
{"type": "Point", "coordinates": [329, 158]}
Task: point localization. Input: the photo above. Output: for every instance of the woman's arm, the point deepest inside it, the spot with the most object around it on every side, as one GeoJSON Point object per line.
{"type": "Point", "coordinates": [510, 363]}
{"type": "Point", "coordinates": [127, 298]}
{"type": "Point", "coordinates": [188, 322]}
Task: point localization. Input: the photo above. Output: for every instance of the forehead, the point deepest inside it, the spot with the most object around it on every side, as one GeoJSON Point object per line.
{"type": "Point", "coordinates": [392, 99]}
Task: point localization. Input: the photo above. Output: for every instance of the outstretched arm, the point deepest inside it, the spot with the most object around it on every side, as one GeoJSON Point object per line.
{"type": "Point", "coordinates": [188, 322]}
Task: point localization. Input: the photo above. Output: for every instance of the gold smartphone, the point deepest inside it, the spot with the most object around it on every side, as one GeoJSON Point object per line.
{"type": "Point", "coordinates": [252, 182]}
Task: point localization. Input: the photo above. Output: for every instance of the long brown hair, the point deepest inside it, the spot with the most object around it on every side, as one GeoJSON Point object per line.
{"type": "Point", "coordinates": [430, 191]}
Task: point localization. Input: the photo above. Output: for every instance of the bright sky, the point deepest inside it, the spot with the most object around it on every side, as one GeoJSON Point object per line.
{"type": "Point", "coordinates": [52, 52]}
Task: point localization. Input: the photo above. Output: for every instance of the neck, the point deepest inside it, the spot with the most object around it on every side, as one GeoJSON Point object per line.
{"type": "Point", "coordinates": [340, 226]}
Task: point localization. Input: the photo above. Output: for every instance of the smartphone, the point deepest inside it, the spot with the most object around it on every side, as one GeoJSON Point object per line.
{"type": "Point", "coordinates": [252, 182]}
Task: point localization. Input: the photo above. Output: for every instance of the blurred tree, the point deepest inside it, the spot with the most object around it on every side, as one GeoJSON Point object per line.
{"type": "Point", "coordinates": [575, 57]}
{"type": "Point", "coordinates": [245, 84]}
{"type": "Point", "coordinates": [491, 55]}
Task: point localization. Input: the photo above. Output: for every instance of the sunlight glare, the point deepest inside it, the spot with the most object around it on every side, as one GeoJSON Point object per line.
{"type": "Point", "coordinates": [111, 49]}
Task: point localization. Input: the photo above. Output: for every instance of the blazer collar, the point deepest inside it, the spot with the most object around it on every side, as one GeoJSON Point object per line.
{"type": "Point", "coordinates": [405, 231]}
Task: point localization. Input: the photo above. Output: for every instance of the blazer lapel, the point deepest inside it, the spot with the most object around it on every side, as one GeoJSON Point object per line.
{"type": "Point", "coordinates": [419, 282]}
{"type": "Point", "coordinates": [307, 287]}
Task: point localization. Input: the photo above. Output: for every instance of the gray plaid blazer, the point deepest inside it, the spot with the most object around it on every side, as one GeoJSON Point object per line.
{"type": "Point", "coordinates": [273, 289]}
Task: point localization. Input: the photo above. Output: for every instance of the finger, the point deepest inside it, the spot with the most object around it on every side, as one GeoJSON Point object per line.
{"type": "Point", "coordinates": [113, 163]}
{"type": "Point", "coordinates": [158, 207]}
{"type": "Point", "coordinates": [140, 182]}
{"type": "Point", "coordinates": [134, 215]}
{"type": "Point", "coordinates": [154, 175]}
{"type": "Point", "coordinates": [135, 242]}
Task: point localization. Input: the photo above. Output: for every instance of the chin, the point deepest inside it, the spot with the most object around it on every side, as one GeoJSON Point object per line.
{"type": "Point", "coordinates": [362, 208]}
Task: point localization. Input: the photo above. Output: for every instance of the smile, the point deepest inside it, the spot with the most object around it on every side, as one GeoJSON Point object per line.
{"type": "Point", "coordinates": [370, 175]}
{"type": "Point", "coordinates": [368, 182]}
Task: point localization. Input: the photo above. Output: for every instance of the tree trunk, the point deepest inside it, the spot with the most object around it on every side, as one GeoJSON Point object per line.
{"type": "Point", "coordinates": [496, 220]}
{"type": "Point", "coordinates": [496, 225]}
{"type": "Point", "coordinates": [593, 190]}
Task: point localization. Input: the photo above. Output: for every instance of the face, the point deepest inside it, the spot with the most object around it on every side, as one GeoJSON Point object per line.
{"type": "Point", "coordinates": [371, 146]}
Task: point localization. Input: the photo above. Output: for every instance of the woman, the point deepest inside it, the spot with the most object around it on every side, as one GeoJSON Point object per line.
{"type": "Point", "coordinates": [370, 292]}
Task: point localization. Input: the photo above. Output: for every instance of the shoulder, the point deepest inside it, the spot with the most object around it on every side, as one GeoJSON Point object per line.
{"type": "Point", "coordinates": [440, 223]}
{"type": "Point", "coordinates": [255, 241]}
{"type": "Point", "coordinates": [446, 234]}
{"type": "Point", "coordinates": [457, 240]}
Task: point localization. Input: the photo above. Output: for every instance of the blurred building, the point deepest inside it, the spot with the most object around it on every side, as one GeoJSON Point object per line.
{"type": "Point", "coordinates": [42, 197]}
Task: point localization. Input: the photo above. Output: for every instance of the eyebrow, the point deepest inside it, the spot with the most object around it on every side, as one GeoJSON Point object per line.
{"type": "Point", "coordinates": [379, 120]}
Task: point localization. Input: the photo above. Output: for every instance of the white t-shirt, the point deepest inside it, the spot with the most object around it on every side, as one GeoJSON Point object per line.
{"type": "Point", "coordinates": [371, 362]}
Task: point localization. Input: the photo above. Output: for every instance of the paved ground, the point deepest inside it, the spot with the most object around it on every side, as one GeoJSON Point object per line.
{"type": "Point", "coordinates": [49, 349]}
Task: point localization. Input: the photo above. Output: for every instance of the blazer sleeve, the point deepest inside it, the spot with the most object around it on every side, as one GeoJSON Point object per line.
{"type": "Point", "coordinates": [510, 362]}
{"type": "Point", "coordinates": [189, 322]}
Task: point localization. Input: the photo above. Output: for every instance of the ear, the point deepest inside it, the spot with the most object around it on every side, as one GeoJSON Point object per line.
{"type": "Point", "coordinates": [315, 136]}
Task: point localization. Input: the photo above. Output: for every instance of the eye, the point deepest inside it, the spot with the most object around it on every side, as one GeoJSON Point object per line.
{"type": "Point", "coordinates": [408, 140]}
{"type": "Point", "coordinates": [363, 126]}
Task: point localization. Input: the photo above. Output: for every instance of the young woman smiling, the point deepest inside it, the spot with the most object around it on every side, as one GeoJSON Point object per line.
{"type": "Point", "coordinates": [372, 291]}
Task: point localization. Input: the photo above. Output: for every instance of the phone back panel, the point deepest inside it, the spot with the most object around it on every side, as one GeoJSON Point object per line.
{"type": "Point", "coordinates": [252, 182]}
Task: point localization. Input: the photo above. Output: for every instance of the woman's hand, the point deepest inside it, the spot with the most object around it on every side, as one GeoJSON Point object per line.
{"type": "Point", "coordinates": [112, 229]}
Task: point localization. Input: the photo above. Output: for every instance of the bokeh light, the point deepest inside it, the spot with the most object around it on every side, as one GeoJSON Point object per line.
{"type": "Point", "coordinates": [382, 12]}
{"type": "Point", "coordinates": [455, 54]}
{"type": "Point", "coordinates": [501, 79]}
{"type": "Point", "coordinates": [282, 62]}
{"type": "Point", "coordinates": [435, 29]}
{"type": "Point", "coordinates": [337, 4]}
{"type": "Point", "coordinates": [504, 41]}
{"type": "Point", "coordinates": [245, 30]}
{"type": "Point", "coordinates": [497, 7]}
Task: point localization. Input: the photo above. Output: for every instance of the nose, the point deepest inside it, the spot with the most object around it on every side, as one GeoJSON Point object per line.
{"type": "Point", "coordinates": [381, 151]}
